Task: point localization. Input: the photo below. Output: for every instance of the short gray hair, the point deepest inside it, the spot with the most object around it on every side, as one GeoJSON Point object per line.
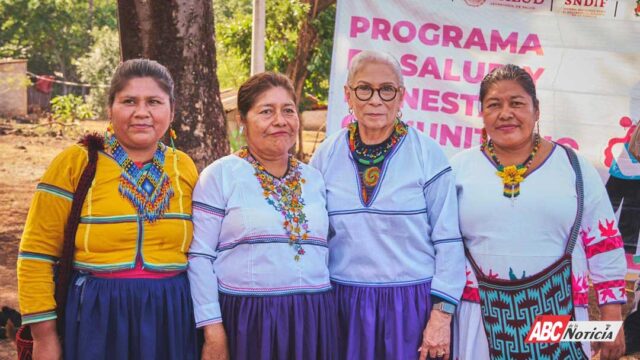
{"type": "Point", "coordinates": [366, 57]}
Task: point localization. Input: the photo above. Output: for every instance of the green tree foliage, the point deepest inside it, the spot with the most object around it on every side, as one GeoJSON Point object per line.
{"type": "Point", "coordinates": [51, 33]}
{"type": "Point", "coordinates": [317, 83]}
{"type": "Point", "coordinates": [56, 36]}
{"type": "Point", "coordinates": [97, 66]}
{"type": "Point", "coordinates": [283, 18]}
{"type": "Point", "coordinates": [68, 109]}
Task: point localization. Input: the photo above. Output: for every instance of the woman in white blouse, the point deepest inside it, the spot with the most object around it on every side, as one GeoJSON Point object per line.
{"type": "Point", "coordinates": [258, 261]}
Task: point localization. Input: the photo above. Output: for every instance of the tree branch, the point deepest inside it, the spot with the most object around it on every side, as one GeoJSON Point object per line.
{"type": "Point", "coordinates": [323, 4]}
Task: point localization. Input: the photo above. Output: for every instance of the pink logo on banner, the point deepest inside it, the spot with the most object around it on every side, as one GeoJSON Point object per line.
{"type": "Point", "coordinates": [475, 3]}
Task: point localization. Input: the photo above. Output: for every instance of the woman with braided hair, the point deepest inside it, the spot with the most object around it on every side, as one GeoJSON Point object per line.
{"type": "Point", "coordinates": [128, 296]}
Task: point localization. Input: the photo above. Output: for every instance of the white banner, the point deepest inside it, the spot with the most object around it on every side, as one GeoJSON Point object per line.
{"type": "Point", "coordinates": [583, 54]}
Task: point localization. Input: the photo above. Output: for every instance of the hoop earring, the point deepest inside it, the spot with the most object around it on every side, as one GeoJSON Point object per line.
{"type": "Point", "coordinates": [399, 114]}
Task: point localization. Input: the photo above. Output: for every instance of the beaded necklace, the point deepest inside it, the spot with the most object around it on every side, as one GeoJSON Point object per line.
{"type": "Point", "coordinates": [369, 156]}
{"type": "Point", "coordinates": [374, 154]}
{"type": "Point", "coordinates": [148, 188]}
{"type": "Point", "coordinates": [285, 195]}
{"type": "Point", "coordinates": [512, 175]}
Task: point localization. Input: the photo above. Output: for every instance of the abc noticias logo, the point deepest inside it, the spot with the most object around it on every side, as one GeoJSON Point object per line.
{"type": "Point", "coordinates": [557, 328]}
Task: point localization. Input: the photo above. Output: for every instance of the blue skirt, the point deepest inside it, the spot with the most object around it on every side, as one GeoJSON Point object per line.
{"type": "Point", "coordinates": [287, 327]}
{"type": "Point", "coordinates": [382, 322]}
{"type": "Point", "coordinates": [129, 319]}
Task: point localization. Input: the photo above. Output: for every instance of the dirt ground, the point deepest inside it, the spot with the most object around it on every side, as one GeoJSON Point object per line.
{"type": "Point", "coordinates": [23, 159]}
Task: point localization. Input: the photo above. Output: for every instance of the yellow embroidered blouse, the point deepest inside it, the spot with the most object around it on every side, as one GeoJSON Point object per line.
{"type": "Point", "coordinates": [110, 235]}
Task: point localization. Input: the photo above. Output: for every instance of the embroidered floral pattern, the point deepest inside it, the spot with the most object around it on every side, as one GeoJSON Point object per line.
{"type": "Point", "coordinates": [471, 294]}
{"type": "Point", "coordinates": [492, 275]}
{"type": "Point", "coordinates": [512, 174]}
{"type": "Point", "coordinates": [512, 275]}
{"type": "Point", "coordinates": [609, 229]}
{"type": "Point", "coordinates": [605, 245]}
{"type": "Point", "coordinates": [470, 291]}
{"type": "Point", "coordinates": [285, 195]}
{"type": "Point", "coordinates": [610, 291]}
{"type": "Point", "coordinates": [148, 188]}
{"type": "Point", "coordinates": [584, 236]}
{"type": "Point", "coordinates": [580, 288]}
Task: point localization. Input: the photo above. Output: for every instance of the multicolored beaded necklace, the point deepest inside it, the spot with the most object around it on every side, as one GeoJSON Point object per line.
{"type": "Point", "coordinates": [369, 156]}
{"type": "Point", "coordinates": [374, 154]}
{"type": "Point", "coordinates": [148, 188]}
{"type": "Point", "coordinates": [512, 175]}
{"type": "Point", "coordinates": [285, 195]}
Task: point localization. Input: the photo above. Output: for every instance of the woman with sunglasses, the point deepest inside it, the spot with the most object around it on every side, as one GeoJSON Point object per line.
{"type": "Point", "coordinates": [396, 257]}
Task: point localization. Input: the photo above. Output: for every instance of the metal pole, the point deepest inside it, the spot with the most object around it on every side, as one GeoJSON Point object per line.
{"type": "Point", "coordinates": [257, 37]}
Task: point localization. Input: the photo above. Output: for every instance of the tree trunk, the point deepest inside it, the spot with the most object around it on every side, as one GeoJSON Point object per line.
{"type": "Point", "coordinates": [297, 70]}
{"type": "Point", "coordinates": [180, 35]}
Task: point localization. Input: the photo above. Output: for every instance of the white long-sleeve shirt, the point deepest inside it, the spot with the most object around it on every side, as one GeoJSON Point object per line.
{"type": "Point", "coordinates": [239, 245]}
{"type": "Point", "coordinates": [511, 239]}
{"type": "Point", "coordinates": [408, 234]}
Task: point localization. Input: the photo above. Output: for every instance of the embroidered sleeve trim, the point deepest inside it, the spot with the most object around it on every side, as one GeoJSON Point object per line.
{"type": "Point", "coordinates": [603, 246]}
{"type": "Point", "coordinates": [215, 320]}
{"type": "Point", "coordinates": [54, 190]}
{"type": "Point", "coordinates": [435, 177]}
{"type": "Point", "coordinates": [26, 255]}
{"type": "Point", "coordinates": [444, 241]}
{"type": "Point", "coordinates": [446, 296]}
{"type": "Point", "coordinates": [612, 291]}
{"type": "Point", "coordinates": [199, 254]}
{"type": "Point", "coordinates": [38, 317]}
{"type": "Point", "coordinates": [208, 209]}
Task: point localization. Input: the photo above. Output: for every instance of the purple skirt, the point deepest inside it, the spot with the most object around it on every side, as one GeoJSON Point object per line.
{"type": "Point", "coordinates": [129, 319]}
{"type": "Point", "coordinates": [382, 322]}
{"type": "Point", "coordinates": [301, 326]}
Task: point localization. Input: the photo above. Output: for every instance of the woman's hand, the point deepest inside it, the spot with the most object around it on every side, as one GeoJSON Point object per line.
{"type": "Point", "coordinates": [215, 343]}
{"type": "Point", "coordinates": [436, 337]}
{"type": "Point", "coordinates": [46, 345]}
{"type": "Point", "coordinates": [611, 350]}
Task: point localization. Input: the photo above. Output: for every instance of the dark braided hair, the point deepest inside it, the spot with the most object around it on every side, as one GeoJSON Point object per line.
{"type": "Point", "coordinates": [93, 143]}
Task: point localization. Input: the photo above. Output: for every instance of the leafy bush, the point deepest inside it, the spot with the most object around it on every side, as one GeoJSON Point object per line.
{"type": "Point", "coordinates": [70, 108]}
{"type": "Point", "coordinates": [233, 21]}
{"type": "Point", "coordinates": [97, 66]}
{"type": "Point", "coordinates": [51, 33]}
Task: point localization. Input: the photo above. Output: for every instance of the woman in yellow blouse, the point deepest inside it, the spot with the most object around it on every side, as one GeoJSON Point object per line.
{"type": "Point", "coordinates": [129, 295]}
